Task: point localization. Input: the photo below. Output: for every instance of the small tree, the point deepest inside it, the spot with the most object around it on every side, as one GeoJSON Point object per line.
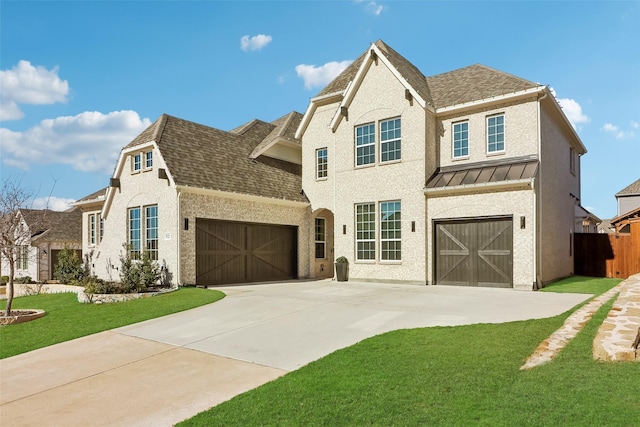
{"type": "Point", "coordinates": [138, 275]}
{"type": "Point", "coordinates": [13, 233]}
{"type": "Point", "coordinates": [69, 267]}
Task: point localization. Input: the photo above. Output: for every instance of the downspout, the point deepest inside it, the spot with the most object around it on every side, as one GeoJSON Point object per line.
{"type": "Point", "coordinates": [178, 239]}
{"type": "Point", "coordinates": [537, 263]}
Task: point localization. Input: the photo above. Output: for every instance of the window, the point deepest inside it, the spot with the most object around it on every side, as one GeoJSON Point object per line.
{"type": "Point", "coordinates": [461, 139]}
{"type": "Point", "coordinates": [135, 237]}
{"type": "Point", "coordinates": [148, 159]}
{"type": "Point", "coordinates": [151, 216]}
{"type": "Point", "coordinates": [572, 160]}
{"type": "Point", "coordinates": [22, 260]}
{"type": "Point", "coordinates": [366, 231]}
{"type": "Point", "coordinates": [390, 140]}
{"type": "Point", "coordinates": [148, 233]}
{"type": "Point", "coordinates": [321, 163]}
{"type": "Point", "coordinates": [390, 231]}
{"type": "Point", "coordinates": [137, 162]}
{"type": "Point", "coordinates": [92, 229]}
{"type": "Point", "coordinates": [495, 133]}
{"type": "Point", "coordinates": [320, 234]}
{"type": "Point", "coordinates": [101, 228]}
{"type": "Point", "coordinates": [365, 144]}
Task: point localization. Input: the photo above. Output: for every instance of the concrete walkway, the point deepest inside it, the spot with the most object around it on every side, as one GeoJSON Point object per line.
{"type": "Point", "coordinates": [162, 371]}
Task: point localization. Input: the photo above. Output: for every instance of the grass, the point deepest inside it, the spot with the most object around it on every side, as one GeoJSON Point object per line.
{"type": "Point", "coordinates": [582, 285]}
{"type": "Point", "coordinates": [449, 376]}
{"type": "Point", "coordinates": [67, 319]}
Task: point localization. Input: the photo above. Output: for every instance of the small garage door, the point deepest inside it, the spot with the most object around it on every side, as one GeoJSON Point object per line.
{"type": "Point", "coordinates": [474, 252]}
{"type": "Point", "coordinates": [234, 252]}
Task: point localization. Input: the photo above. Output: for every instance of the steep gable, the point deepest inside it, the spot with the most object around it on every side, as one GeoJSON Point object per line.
{"type": "Point", "coordinates": [54, 226]}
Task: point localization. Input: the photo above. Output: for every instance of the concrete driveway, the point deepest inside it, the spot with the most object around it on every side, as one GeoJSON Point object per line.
{"type": "Point", "coordinates": [164, 370]}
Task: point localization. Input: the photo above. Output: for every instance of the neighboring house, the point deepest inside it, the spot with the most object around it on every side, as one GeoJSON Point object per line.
{"type": "Point", "coordinates": [586, 222]}
{"type": "Point", "coordinates": [212, 207]}
{"type": "Point", "coordinates": [92, 223]}
{"type": "Point", "coordinates": [465, 178]}
{"type": "Point", "coordinates": [49, 232]}
{"type": "Point", "coordinates": [629, 198]}
{"type": "Point", "coordinates": [605, 227]}
{"type": "Point", "coordinates": [470, 177]}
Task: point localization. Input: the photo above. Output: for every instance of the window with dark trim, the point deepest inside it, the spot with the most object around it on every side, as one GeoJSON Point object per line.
{"type": "Point", "coordinates": [320, 238]}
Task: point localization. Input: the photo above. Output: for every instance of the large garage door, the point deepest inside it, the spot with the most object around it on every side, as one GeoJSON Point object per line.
{"type": "Point", "coordinates": [233, 252]}
{"type": "Point", "coordinates": [474, 252]}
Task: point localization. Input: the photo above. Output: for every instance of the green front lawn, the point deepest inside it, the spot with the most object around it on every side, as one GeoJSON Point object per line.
{"type": "Point", "coordinates": [582, 285]}
{"type": "Point", "coordinates": [448, 376]}
{"type": "Point", "coordinates": [67, 319]}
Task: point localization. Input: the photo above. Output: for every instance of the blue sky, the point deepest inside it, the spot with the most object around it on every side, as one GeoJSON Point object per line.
{"type": "Point", "coordinates": [79, 80]}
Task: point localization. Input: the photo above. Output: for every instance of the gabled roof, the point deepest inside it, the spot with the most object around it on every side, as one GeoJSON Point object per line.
{"type": "Point", "coordinates": [203, 157]}
{"type": "Point", "coordinates": [284, 131]}
{"type": "Point", "coordinates": [98, 196]}
{"type": "Point", "coordinates": [473, 83]}
{"type": "Point", "coordinates": [631, 190]}
{"type": "Point", "coordinates": [54, 226]}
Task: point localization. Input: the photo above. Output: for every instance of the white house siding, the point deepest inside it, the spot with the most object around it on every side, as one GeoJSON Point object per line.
{"type": "Point", "coordinates": [138, 190]}
{"type": "Point", "coordinates": [242, 209]}
{"type": "Point", "coordinates": [380, 96]}
{"type": "Point", "coordinates": [515, 203]}
{"type": "Point", "coordinates": [559, 192]}
{"type": "Point", "coordinates": [520, 128]}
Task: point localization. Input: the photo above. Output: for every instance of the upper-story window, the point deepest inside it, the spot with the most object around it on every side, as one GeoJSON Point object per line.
{"type": "Point", "coordinates": [321, 163]}
{"type": "Point", "coordinates": [137, 162]}
{"type": "Point", "coordinates": [365, 144]}
{"type": "Point", "coordinates": [390, 140]}
{"type": "Point", "coordinates": [461, 139]}
{"type": "Point", "coordinates": [495, 133]}
{"type": "Point", "coordinates": [148, 156]}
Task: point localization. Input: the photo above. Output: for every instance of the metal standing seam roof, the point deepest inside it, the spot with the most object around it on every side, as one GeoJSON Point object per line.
{"type": "Point", "coordinates": [484, 174]}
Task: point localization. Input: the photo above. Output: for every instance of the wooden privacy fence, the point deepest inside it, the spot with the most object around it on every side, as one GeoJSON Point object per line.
{"type": "Point", "coordinates": [607, 255]}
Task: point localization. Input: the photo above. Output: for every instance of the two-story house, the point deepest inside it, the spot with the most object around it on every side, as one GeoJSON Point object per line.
{"type": "Point", "coordinates": [470, 177]}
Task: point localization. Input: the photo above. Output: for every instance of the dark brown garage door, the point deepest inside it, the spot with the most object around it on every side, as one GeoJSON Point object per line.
{"type": "Point", "coordinates": [234, 252]}
{"type": "Point", "coordinates": [474, 252]}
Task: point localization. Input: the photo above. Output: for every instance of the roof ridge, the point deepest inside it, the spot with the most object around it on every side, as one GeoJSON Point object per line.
{"type": "Point", "coordinates": [157, 134]}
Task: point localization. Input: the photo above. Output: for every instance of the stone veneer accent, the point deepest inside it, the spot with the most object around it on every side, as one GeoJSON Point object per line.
{"type": "Point", "coordinates": [614, 339]}
{"type": "Point", "coordinates": [109, 298]}
{"type": "Point", "coordinates": [549, 348]}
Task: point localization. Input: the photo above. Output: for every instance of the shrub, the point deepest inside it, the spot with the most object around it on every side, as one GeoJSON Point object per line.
{"type": "Point", "coordinates": [23, 280]}
{"type": "Point", "coordinates": [149, 271]}
{"type": "Point", "coordinates": [138, 276]}
{"type": "Point", "coordinates": [69, 266]}
{"type": "Point", "coordinates": [4, 280]}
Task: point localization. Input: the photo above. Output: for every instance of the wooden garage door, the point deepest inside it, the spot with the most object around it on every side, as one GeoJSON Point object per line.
{"type": "Point", "coordinates": [233, 252]}
{"type": "Point", "coordinates": [474, 252]}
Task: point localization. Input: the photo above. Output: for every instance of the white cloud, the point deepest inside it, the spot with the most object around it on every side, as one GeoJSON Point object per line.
{"type": "Point", "coordinates": [90, 141]}
{"type": "Point", "coordinates": [617, 132]}
{"type": "Point", "coordinates": [571, 109]}
{"type": "Point", "coordinates": [254, 43]}
{"type": "Point", "coordinates": [53, 203]}
{"type": "Point", "coordinates": [26, 84]}
{"type": "Point", "coordinates": [371, 7]}
{"type": "Point", "coordinates": [635, 124]}
{"type": "Point", "coordinates": [319, 76]}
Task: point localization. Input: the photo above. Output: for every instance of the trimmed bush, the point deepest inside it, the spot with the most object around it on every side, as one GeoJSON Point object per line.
{"type": "Point", "coordinates": [69, 267]}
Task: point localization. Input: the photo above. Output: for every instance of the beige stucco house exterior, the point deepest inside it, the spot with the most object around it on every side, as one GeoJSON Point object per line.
{"type": "Point", "coordinates": [470, 177]}
{"type": "Point", "coordinates": [465, 178]}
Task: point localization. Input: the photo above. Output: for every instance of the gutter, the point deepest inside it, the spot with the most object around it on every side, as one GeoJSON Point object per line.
{"type": "Point", "coordinates": [537, 261]}
{"type": "Point", "coordinates": [178, 239]}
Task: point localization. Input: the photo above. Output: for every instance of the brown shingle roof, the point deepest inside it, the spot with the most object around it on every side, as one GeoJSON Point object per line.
{"type": "Point", "coordinates": [630, 190]}
{"type": "Point", "coordinates": [93, 196]}
{"type": "Point", "coordinates": [203, 157]}
{"type": "Point", "coordinates": [54, 226]}
{"type": "Point", "coordinates": [285, 128]}
{"type": "Point", "coordinates": [472, 83]}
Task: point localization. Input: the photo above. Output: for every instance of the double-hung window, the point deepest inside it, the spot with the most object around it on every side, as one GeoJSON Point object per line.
{"type": "Point", "coordinates": [321, 163]}
{"type": "Point", "coordinates": [365, 144]}
{"type": "Point", "coordinates": [366, 231]}
{"type": "Point", "coordinates": [135, 233]}
{"type": "Point", "coordinates": [320, 238]}
{"type": "Point", "coordinates": [143, 229]}
{"type": "Point", "coordinates": [92, 229]}
{"type": "Point", "coordinates": [151, 230]}
{"type": "Point", "coordinates": [390, 231]}
{"type": "Point", "coordinates": [461, 139]}
{"type": "Point", "coordinates": [22, 260]}
{"type": "Point", "coordinates": [137, 162]}
{"type": "Point", "coordinates": [495, 133]}
{"type": "Point", "coordinates": [148, 159]}
{"type": "Point", "coordinates": [390, 140]}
